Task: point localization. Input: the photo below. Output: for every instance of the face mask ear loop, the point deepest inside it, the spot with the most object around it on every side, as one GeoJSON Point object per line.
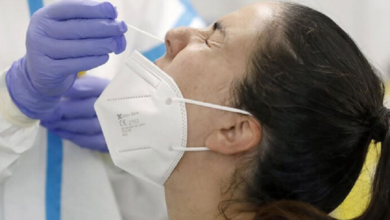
{"type": "Point", "coordinates": [204, 104]}
{"type": "Point", "coordinates": [209, 105]}
{"type": "Point", "coordinates": [193, 149]}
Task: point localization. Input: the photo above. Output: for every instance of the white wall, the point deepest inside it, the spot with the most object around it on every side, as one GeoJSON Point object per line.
{"type": "Point", "coordinates": [367, 21]}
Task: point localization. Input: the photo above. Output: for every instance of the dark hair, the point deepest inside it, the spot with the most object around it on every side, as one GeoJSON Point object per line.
{"type": "Point", "coordinates": [320, 104]}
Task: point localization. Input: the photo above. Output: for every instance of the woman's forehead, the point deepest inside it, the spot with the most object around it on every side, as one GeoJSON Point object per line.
{"type": "Point", "coordinates": [253, 14]}
{"type": "Point", "coordinates": [244, 26]}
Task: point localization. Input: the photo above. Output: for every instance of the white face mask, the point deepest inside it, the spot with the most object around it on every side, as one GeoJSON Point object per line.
{"type": "Point", "coordinates": [144, 120]}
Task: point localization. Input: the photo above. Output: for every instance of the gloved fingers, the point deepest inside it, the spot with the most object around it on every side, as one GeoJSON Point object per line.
{"type": "Point", "coordinates": [88, 126]}
{"type": "Point", "coordinates": [76, 9]}
{"type": "Point", "coordinates": [86, 87]}
{"type": "Point", "coordinates": [84, 29]}
{"type": "Point", "coordinates": [65, 49]}
{"type": "Point", "coordinates": [93, 142]}
{"type": "Point", "coordinates": [66, 67]}
{"type": "Point", "coordinates": [46, 87]}
{"type": "Point", "coordinates": [73, 109]}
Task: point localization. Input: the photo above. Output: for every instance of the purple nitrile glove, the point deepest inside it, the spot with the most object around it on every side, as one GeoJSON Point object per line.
{"type": "Point", "coordinates": [75, 119]}
{"type": "Point", "coordinates": [63, 39]}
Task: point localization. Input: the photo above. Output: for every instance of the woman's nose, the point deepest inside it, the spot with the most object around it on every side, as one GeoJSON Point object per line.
{"type": "Point", "coordinates": [177, 39]}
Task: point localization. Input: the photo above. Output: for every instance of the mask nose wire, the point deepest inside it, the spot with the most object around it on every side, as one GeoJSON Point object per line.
{"type": "Point", "coordinates": [145, 33]}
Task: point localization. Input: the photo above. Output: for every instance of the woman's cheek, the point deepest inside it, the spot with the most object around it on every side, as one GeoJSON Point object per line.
{"type": "Point", "coordinates": [189, 63]}
{"type": "Point", "coordinates": [195, 58]}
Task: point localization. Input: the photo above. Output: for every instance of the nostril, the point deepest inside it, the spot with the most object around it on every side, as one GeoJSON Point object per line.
{"type": "Point", "coordinates": [169, 46]}
{"type": "Point", "coordinates": [176, 40]}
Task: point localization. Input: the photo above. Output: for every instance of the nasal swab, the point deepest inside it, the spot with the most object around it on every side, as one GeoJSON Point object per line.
{"type": "Point", "coordinates": [80, 74]}
{"type": "Point", "coordinates": [146, 33]}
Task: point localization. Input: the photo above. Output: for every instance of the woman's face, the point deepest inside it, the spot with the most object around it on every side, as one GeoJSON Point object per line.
{"type": "Point", "coordinates": [205, 63]}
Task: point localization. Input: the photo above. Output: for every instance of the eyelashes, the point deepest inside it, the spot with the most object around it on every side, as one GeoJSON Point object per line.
{"type": "Point", "coordinates": [216, 26]}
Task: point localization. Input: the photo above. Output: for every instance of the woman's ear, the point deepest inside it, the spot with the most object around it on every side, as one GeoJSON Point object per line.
{"type": "Point", "coordinates": [241, 136]}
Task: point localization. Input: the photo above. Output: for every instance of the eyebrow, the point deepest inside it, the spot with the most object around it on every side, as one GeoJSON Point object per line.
{"type": "Point", "coordinates": [219, 27]}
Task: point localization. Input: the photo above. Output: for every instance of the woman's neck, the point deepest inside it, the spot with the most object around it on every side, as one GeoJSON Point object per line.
{"type": "Point", "coordinates": [192, 204]}
{"type": "Point", "coordinates": [196, 189]}
{"type": "Point", "coordinates": [186, 206]}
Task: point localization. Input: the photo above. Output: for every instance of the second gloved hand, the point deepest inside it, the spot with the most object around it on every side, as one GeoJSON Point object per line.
{"type": "Point", "coordinates": [63, 39]}
{"type": "Point", "coordinates": [75, 118]}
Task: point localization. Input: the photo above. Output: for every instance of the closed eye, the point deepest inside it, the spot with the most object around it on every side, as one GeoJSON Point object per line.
{"type": "Point", "coordinates": [207, 42]}
{"type": "Point", "coordinates": [216, 27]}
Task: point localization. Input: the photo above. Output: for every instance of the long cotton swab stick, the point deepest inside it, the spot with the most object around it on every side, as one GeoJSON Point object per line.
{"type": "Point", "coordinates": [146, 33]}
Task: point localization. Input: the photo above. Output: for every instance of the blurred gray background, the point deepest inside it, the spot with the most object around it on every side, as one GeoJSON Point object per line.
{"type": "Point", "coordinates": [367, 21]}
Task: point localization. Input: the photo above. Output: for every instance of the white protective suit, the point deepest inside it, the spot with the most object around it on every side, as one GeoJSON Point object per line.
{"type": "Point", "coordinates": [43, 177]}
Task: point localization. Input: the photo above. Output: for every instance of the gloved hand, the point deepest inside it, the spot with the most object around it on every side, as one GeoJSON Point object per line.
{"type": "Point", "coordinates": [62, 39]}
{"type": "Point", "coordinates": [75, 118]}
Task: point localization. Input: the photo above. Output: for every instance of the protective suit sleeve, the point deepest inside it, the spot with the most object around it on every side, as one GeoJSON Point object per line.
{"type": "Point", "coordinates": [17, 131]}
